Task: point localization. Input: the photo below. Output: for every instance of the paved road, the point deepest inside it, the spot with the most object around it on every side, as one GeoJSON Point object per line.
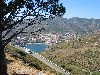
{"type": "Point", "coordinates": [47, 62]}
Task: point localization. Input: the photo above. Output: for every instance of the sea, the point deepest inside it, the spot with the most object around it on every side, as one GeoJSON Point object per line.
{"type": "Point", "coordinates": [37, 47]}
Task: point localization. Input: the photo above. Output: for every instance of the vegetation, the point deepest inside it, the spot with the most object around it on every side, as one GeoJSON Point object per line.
{"type": "Point", "coordinates": [76, 25]}
{"type": "Point", "coordinates": [29, 60]}
{"type": "Point", "coordinates": [80, 56]}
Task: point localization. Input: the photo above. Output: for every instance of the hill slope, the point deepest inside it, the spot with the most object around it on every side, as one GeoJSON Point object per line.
{"type": "Point", "coordinates": [19, 62]}
{"type": "Point", "coordinates": [80, 57]}
{"type": "Point", "coordinates": [75, 25]}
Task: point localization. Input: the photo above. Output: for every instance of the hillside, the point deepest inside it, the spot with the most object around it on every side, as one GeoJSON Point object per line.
{"type": "Point", "coordinates": [19, 62]}
{"type": "Point", "coordinates": [18, 67]}
{"type": "Point", "coordinates": [80, 56]}
{"type": "Point", "coordinates": [75, 25]}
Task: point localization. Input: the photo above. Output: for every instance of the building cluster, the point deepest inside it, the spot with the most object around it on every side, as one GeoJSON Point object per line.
{"type": "Point", "coordinates": [48, 38]}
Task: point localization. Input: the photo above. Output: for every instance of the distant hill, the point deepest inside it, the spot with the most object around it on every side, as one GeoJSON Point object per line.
{"type": "Point", "coordinates": [74, 25]}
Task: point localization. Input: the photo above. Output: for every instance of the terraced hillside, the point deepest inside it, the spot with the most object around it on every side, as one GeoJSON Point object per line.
{"type": "Point", "coordinates": [80, 56]}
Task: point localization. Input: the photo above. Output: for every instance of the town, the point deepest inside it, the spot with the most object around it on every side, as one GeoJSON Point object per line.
{"type": "Point", "coordinates": [48, 38]}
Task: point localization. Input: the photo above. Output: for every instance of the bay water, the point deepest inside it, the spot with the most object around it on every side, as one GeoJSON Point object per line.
{"type": "Point", "coordinates": [37, 47]}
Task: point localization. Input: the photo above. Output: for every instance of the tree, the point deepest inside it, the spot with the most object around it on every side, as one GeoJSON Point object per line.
{"type": "Point", "coordinates": [12, 14]}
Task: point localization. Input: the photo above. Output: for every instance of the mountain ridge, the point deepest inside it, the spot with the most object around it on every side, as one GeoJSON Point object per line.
{"type": "Point", "coordinates": [75, 25]}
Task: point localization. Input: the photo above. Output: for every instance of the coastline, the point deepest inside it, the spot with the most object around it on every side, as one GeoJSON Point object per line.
{"type": "Point", "coordinates": [36, 43]}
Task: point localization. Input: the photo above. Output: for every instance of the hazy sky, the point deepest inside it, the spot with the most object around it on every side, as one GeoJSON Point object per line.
{"type": "Point", "coordinates": [82, 8]}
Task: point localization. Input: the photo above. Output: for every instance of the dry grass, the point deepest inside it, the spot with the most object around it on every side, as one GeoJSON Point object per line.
{"type": "Point", "coordinates": [17, 66]}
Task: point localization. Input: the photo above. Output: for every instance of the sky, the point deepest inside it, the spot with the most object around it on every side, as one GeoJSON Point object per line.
{"type": "Point", "coordinates": [82, 8]}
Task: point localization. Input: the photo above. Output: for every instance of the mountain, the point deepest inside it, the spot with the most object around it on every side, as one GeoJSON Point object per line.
{"type": "Point", "coordinates": [75, 25]}
{"type": "Point", "coordinates": [79, 56]}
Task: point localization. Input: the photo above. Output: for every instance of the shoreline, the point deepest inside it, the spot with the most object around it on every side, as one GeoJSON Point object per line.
{"type": "Point", "coordinates": [40, 43]}
{"type": "Point", "coordinates": [36, 43]}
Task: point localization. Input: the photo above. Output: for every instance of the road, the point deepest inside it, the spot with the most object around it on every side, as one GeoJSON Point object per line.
{"type": "Point", "coordinates": [47, 62]}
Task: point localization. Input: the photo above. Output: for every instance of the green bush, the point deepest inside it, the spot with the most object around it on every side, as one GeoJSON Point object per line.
{"type": "Point", "coordinates": [96, 73]}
